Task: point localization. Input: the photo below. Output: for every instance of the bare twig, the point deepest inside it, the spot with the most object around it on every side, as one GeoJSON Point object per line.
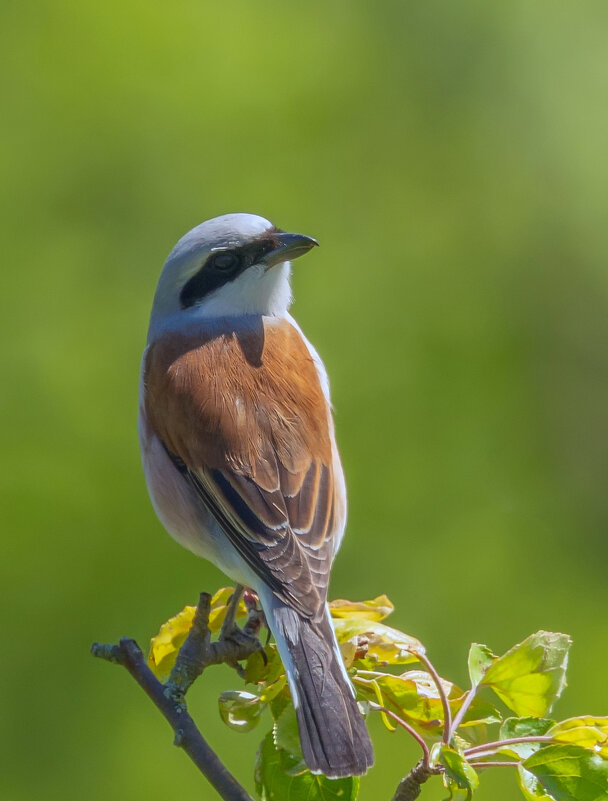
{"type": "Point", "coordinates": [197, 653]}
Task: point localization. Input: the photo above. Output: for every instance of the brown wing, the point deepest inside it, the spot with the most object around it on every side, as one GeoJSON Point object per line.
{"type": "Point", "coordinates": [244, 418]}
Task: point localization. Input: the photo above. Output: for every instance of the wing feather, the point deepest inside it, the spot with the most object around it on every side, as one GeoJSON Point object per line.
{"type": "Point", "coordinates": [254, 441]}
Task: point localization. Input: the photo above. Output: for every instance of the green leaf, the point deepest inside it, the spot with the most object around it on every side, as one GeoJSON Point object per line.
{"type": "Point", "coordinates": [531, 787]}
{"type": "Point", "coordinates": [267, 674]}
{"type": "Point", "coordinates": [385, 645]}
{"type": "Point", "coordinates": [523, 727]}
{"type": "Point", "coordinates": [286, 732]}
{"type": "Point", "coordinates": [269, 692]}
{"type": "Point", "coordinates": [570, 773]}
{"type": "Point", "coordinates": [277, 778]}
{"type": "Point", "coordinates": [458, 770]}
{"type": "Point", "coordinates": [480, 659]}
{"type": "Point", "coordinates": [455, 792]}
{"type": "Point", "coordinates": [264, 666]}
{"type": "Point", "coordinates": [531, 676]}
{"type": "Point", "coordinates": [377, 609]}
{"type": "Point", "coordinates": [280, 701]}
{"type": "Point", "coordinates": [240, 710]}
{"type": "Point", "coordinates": [588, 732]}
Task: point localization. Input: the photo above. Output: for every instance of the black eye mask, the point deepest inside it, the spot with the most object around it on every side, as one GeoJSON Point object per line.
{"type": "Point", "coordinates": [223, 266]}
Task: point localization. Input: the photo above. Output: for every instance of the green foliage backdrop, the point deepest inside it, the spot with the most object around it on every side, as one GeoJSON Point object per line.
{"type": "Point", "coordinates": [451, 160]}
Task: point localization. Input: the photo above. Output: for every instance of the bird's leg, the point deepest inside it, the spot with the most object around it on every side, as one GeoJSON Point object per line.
{"type": "Point", "coordinates": [229, 623]}
{"type": "Point", "coordinates": [248, 634]}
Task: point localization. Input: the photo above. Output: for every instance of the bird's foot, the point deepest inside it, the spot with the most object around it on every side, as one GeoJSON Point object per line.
{"type": "Point", "coordinates": [245, 640]}
{"type": "Point", "coordinates": [244, 643]}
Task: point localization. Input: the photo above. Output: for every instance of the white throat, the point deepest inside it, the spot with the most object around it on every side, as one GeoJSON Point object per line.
{"type": "Point", "coordinates": [255, 291]}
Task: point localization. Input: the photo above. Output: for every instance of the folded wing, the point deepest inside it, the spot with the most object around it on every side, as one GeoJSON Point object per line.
{"type": "Point", "coordinates": [244, 418]}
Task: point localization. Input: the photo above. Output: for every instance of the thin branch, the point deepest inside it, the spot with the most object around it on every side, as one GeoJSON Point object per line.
{"type": "Point", "coordinates": [409, 729]}
{"type": "Point", "coordinates": [197, 653]}
{"type": "Point", "coordinates": [490, 747]}
{"type": "Point", "coordinates": [480, 765]}
{"type": "Point", "coordinates": [447, 712]}
{"type": "Point", "coordinates": [128, 654]}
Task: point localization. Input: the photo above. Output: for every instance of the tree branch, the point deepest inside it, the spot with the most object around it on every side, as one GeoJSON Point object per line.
{"type": "Point", "coordinates": [197, 653]}
{"type": "Point", "coordinates": [410, 787]}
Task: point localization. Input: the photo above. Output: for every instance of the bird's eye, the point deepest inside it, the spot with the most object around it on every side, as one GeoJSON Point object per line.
{"type": "Point", "coordinates": [225, 260]}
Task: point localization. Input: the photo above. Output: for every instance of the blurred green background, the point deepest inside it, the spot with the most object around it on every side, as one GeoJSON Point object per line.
{"type": "Point", "coordinates": [451, 159]}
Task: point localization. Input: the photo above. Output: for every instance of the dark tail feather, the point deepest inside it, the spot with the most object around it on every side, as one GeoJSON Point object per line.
{"type": "Point", "coordinates": [333, 734]}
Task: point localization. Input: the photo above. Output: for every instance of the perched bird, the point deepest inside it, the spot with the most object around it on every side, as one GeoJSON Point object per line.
{"type": "Point", "coordinates": [239, 453]}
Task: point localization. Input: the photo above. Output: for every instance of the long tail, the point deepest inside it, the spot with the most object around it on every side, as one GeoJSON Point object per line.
{"type": "Point", "coordinates": [333, 735]}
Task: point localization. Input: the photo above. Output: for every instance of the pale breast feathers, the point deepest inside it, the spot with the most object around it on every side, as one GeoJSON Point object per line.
{"type": "Point", "coordinates": [244, 417]}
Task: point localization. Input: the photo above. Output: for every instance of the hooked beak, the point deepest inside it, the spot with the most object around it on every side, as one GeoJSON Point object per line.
{"type": "Point", "coordinates": [289, 246]}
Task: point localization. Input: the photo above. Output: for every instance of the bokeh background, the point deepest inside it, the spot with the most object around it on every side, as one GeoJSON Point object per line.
{"type": "Point", "coordinates": [451, 159]}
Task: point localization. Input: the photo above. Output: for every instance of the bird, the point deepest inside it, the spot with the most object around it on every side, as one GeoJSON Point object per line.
{"type": "Point", "coordinates": [240, 457]}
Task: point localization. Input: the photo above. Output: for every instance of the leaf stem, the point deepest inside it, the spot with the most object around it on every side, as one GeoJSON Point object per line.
{"type": "Point", "coordinates": [470, 696]}
{"type": "Point", "coordinates": [491, 747]}
{"type": "Point", "coordinates": [410, 729]}
{"type": "Point", "coordinates": [480, 765]}
{"type": "Point", "coordinates": [447, 712]}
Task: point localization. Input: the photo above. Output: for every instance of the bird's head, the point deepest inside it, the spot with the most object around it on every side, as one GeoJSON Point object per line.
{"type": "Point", "coordinates": [231, 265]}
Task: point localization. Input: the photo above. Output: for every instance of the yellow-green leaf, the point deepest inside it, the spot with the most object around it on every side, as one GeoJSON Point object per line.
{"type": "Point", "coordinates": [588, 732]}
{"type": "Point", "coordinates": [414, 697]}
{"type": "Point", "coordinates": [479, 711]}
{"type": "Point", "coordinates": [170, 638]}
{"type": "Point", "coordinates": [349, 650]}
{"type": "Point", "coordinates": [376, 609]}
{"type": "Point", "coordinates": [401, 695]}
{"type": "Point", "coordinates": [480, 659]}
{"type": "Point", "coordinates": [531, 676]}
{"type": "Point", "coordinates": [385, 645]}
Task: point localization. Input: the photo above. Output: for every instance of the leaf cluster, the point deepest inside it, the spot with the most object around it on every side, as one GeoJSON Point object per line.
{"type": "Point", "coordinates": [501, 721]}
